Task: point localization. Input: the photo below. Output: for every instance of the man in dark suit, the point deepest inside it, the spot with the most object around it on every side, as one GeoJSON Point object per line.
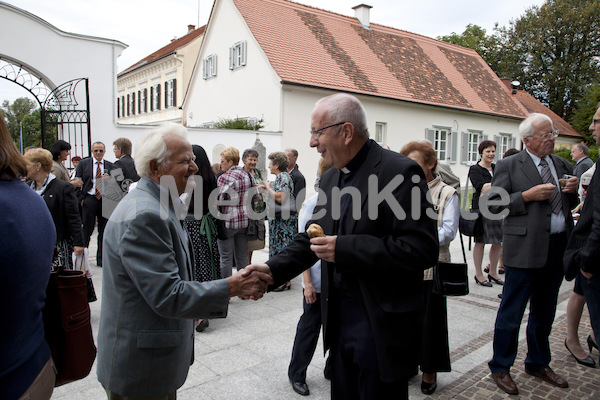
{"type": "Point", "coordinates": [297, 177]}
{"type": "Point", "coordinates": [535, 235]}
{"type": "Point", "coordinates": [579, 154]}
{"type": "Point", "coordinates": [583, 250]}
{"type": "Point", "coordinates": [377, 246]}
{"type": "Point", "coordinates": [122, 149]}
{"type": "Point", "coordinates": [91, 171]}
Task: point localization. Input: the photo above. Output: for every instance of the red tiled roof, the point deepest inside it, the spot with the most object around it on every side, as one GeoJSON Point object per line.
{"type": "Point", "coordinates": [313, 47]}
{"type": "Point", "coordinates": [166, 50]}
{"type": "Point", "coordinates": [533, 105]}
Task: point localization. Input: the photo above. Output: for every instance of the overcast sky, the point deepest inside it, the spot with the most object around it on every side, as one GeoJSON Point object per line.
{"type": "Point", "coordinates": [147, 25]}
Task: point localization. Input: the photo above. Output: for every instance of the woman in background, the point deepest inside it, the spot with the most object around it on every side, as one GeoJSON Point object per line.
{"type": "Point", "coordinates": [250, 158]}
{"type": "Point", "coordinates": [60, 152]}
{"type": "Point", "coordinates": [435, 353]}
{"type": "Point", "coordinates": [282, 228]}
{"type": "Point", "coordinates": [481, 175]}
{"type": "Point", "coordinates": [204, 228]}
{"type": "Point", "coordinates": [62, 202]}
{"type": "Point", "coordinates": [27, 245]}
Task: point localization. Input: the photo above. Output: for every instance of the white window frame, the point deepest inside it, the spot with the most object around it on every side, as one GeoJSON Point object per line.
{"type": "Point", "coordinates": [209, 67]}
{"type": "Point", "coordinates": [380, 132]}
{"type": "Point", "coordinates": [237, 55]}
{"type": "Point", "coordinates": [441, 143]}
{"type": "Point", "coordinates": [474, 138]}
{"type": "Point", "coordinates": [156, 97]}
{"type": "Point", "coordinates": [170, 85]}
{"type": "Point", "coordinates": [132, 101]}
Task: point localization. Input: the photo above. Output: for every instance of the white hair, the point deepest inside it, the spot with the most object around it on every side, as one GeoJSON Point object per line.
{"type": "Point", "coordinates": [153, 146]}
{"type": "Point", "coordinates": [526, 126]}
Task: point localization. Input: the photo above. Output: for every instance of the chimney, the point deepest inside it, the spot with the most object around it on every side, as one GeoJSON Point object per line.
{"type": "Point", "coordinates": [512, 85]}
{"type": "Point", "coordinates": [191, 28]}
{"type": "Point", "coordinates": [361, 12]}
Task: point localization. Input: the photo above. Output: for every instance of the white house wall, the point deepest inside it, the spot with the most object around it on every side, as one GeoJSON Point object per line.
{"type": "Point", "coordinates": [405, 122]}
{"type": "Point", "coordinates": [253, 90]}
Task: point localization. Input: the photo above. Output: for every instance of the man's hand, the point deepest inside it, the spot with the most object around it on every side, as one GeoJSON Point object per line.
{"type": "Point", "coordinates": [251, 282]}
{"type": "Point", "coordinates": [77, 182]}
{"type": "Point", "coordinates": [539, 192]}
{"type": "Point", "coordinates": [572, 185]}
{"type": "Point", "coordinates": [310, 293]}
{"type": "Point", "coordinates": [324, 247]}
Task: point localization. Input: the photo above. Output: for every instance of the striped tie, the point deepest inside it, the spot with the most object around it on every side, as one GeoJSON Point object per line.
{"type": "Point", "coordinates": [548, 178]}
{"type": "Point", "coordinates": [98, 182]}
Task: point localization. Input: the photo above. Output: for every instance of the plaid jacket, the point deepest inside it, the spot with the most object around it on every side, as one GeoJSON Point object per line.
{"type": "Point", "coordinates": [239, 181]}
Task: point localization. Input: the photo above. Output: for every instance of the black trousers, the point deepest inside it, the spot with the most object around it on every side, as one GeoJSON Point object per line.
{"type": "Point", "coordinates": [92, 211]}
{"type": "Point", "coordinates": [354, 367]}
{"type": "Point", "coordinates": [305, 342]}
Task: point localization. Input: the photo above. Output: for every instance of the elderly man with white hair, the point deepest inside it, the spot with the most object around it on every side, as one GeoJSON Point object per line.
{"type": "Point", "coordinates": [535, 235]}
{"type": "Point", "coordinates": [149, 300]}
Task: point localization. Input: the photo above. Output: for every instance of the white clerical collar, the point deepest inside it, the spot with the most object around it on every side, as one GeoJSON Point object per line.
{"type": "Point", "coordinates": [345, 170]}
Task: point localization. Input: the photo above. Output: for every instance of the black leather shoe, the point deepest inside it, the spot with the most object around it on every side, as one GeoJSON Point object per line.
{"type": "Point", "coordinates": [483, 283]}
{"type": "Point", "coordinates": [588, 361]}
{"type": "Point", "coordinates": [496, 281]}
{"type": "Point", "coordinates": [428, 388]}
{"type": "Point", "coordinates": [591, 343]}
{"type": "Point", "coordinates": [300, 388]}
{"type": "Point", "coordinates": [202, 325]}
{"type": "Point", "coordinates": [285, 286]}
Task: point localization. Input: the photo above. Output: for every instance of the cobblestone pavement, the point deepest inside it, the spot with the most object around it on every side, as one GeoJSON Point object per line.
{"type": "Point", "coordinates": [246, 355]}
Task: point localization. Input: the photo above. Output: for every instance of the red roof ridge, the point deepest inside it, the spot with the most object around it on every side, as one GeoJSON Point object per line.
{"type": "Point", "coordinates": [167, 49]}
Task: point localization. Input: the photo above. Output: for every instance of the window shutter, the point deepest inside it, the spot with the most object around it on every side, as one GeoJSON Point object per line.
{"type": "Point", "coordinates": [498, 140]}
{"type": "Point", "coordinates": [139, 103]}
{"type": "Point", "coordinates": [205, 68]}
{"type": "Point", "coordinates": [158, 96]}
{"type": "Point", "coordinates": [231, 56]}
{"type": "Point", "coordinates": [483, 137]}
{"type": "Point", "coordinates": [151, 98]}
{"type": "Point", "coordinates": [128, 106]}
{"type": "Point", "coordinates": [174, 83]}
{"type": "Point", "coordinates": [243, 50]}
{"type": "Point", "coordinates": [118, 107]}
{"type": "Point", "coordinates": [145, 100]}
{"type": "Point", "coordinates": [513, 142]}
{"type": "Point", "coordinates": [454, 146]}
{"type": "Point", "coordinates": [214, 65]}
{"type": "Point", "coordinates": [430, 135]}
{"type": "Point", "coordinates": [133, 103]}
{"type": "Point", "coordinates": [464, 147]}
{"type": "Point", "coordinates": [166, 94]}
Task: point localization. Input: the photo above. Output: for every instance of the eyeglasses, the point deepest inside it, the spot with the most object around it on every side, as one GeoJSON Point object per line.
{"type": "Point", "coordinates": [98, 151]}
{"type": "Point", "coordinates": [548, 136]}
{"type": "Point", "coordinates": [317, 132]}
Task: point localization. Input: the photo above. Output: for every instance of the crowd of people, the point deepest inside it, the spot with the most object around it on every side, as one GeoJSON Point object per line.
{"type": "Point", "coordinates": [162, 270]}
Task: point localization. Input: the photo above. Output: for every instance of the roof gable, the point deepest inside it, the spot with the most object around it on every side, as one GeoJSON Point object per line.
{"type": "Point", "coordinates": [166, 50]}
{"type": "Point", "coordinates": [313, 47]}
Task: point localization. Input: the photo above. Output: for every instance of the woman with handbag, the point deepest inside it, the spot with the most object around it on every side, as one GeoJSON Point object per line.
{"type": "Point", "coordinates": [250, 158]}
{"type": "Point", "coordinates": [62, 202]}
{"type": "Point", "coordinates": [282, 226]}
{"type": "Point", "coordinates": [481, 175]}
{"type": "Point", "coordinates": [204, 229]}
{"type": "Point", "coordinates": [435, 353]}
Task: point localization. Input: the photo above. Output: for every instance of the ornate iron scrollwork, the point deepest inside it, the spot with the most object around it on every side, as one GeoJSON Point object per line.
{"type": "Point", "coordinates": [20, 75]}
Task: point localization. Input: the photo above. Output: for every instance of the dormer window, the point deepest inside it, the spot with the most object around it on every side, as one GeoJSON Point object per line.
{"type": "Point", "coordinates": [237, 55]}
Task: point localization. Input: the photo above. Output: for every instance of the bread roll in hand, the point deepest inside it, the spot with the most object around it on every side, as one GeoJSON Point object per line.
{"type": "Point", "coordinates": [315, 230]}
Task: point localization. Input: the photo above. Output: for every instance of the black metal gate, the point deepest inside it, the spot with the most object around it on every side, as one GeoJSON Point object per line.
{"type": "Point", "coordinates": [67, 109]}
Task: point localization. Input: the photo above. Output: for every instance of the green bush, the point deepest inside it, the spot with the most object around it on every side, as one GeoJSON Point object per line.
{"type": "Point", "coordinates": [565, 152]}
{"type": "Point", "coordinates": [239, 123]}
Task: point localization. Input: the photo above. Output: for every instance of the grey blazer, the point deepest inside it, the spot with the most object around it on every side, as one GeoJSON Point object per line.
{"type": "Point", "coordinates": [582, 166]}
{"type": "Point", "coordinates": [146, 333]}
{"type": "Point", "coordinates": [527, 226]}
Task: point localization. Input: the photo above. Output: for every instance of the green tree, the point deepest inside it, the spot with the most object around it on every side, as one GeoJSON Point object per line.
{"type": "Point", "coordinates": [23, 112]}
{"type": "Point", "coordinates": [557, 47]}
{"type": "Point", "coordinates": [584, 111]}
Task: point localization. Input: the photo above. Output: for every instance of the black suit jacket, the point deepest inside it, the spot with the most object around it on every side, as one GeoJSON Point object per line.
{"type": "Point", "coordinates": [86, 171]}
{"type": "Point", "coordinates": [62, 202]}
{"type": "Point", "coordinates": [526, 229]}
{"type": "Point", "coordinates": [583, 250]}
{"type": "Point", "coordinates": [385, 254]}
{"type": "Point", "coordinates": [299, 184]}
{"type": "Point", "coordinates": [127, 167]}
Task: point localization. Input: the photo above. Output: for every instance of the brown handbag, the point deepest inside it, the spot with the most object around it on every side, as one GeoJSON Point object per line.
{"type": "Point", "coordinates": [67, 325]}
